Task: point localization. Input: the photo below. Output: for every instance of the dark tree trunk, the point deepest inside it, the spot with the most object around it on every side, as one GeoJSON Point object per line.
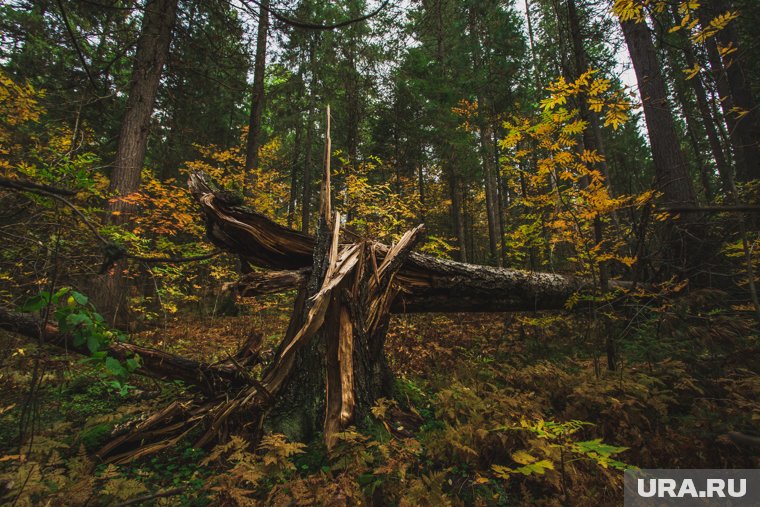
{"type": "Point", "coordinates": [308, 161]}
{"type": "Point", "coordinates": [592, 141]}
{"type": "Point", "coordinates": [491, 188]}
{"type": "Point", "coordinates": [150, 56]}
{"type": "Point", "coordinates": [686, 106]}
{"type": "Point", "coordinates": [353, 108]}
{"type": "Point", "coordinates": [746, 133]}
{"type": "Point", "coordinates": [685, 247]}
{"type": "Point", "coordinates": [457, 217]}
{"type": "Point", "coordinates": [731, 134]}
{"type": "Point", "coordinates": [703, 105]}
{"type": "Point", "coordinates": [257, 97]}
{"type": "Point", "coordinates": [672, 173]}
{"type": "Point", "coordinates": [153, 363]}
{"type": "Point", "coordinates": [295, 165]}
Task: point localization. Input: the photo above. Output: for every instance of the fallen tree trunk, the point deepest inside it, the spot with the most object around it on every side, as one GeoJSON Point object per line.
{"type": "Point", "coordinates": [489, 290]}
{"type": "Point", "coordinates": [428, 284]}
{"type": "Point", "coordinates": [155, 363]}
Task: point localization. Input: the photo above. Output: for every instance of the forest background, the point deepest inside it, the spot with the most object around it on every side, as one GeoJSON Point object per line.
{"type": "Point", "coordinates": [506, 129]}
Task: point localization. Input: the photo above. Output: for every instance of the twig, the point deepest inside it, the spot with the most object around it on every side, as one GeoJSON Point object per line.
{"type": "Point", "coordinates": [76, 45]}
{"type": "Point", "coordinates": [252, 380]}
{"type": "Point", "coordinates": [117, 250]}
{"type": "Point", "coordinates": [742, 208]}
{"type": "Point", "coordinates": [316, 26]}
{"type": "Point", "coordinates": [30, 185]}
{"type": "Point", "coordinates": [145, 498]}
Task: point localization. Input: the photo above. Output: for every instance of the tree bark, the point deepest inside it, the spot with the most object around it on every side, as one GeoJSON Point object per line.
{"type": "Point", "coordinates": [592, 139]}
{"type": "Point", "coordinates": [257, 97]}
{"type": "Point", "coordinates": [703, 105]}
{"type": "Point", "coordinates": [307, 190]}
{"type": "Point", "coordinates": [672, 174]}
{"type": "Point", "coordinates": [456, 215]}
{"type": "Point", "coordinates": [684, 242]}
{"type": "Point", "coordinates": [746, 133]}
{"type": "Point", "coordinates": [150, 56]}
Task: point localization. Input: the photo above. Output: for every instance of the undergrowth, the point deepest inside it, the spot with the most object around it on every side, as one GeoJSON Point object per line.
{"type": "Point", "coordinates": [487, 410]}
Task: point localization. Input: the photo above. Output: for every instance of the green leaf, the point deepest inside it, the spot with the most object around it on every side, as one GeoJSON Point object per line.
{"type": "Point", "coordinates": [539, 467]}
{"type": "Point", "coordinates": [132, 364]}
{"type": "Point", "coordinates": [79, 339]}
{"type": "Point", "coordinates": [36, 303]}
{"type": "Point", "coordinates": [77, 319]}
{"type": "Point", "coordinates": [59, 293]}
{"type": "Point", "coordinates": [114, 367]}
{"type": "Point", "coordinates": [599, 447]}
{"type": "Point", "coordinates": [79, 297]}
{"type": "Point", "coordinates": [93, 343]}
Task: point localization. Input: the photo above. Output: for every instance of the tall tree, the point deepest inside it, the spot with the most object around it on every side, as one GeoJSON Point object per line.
{"type": "Point", "coordinates": [592, 138]}
{"type": "Point", "coordinates": [703, 106]}
{"type": "Point", "coordinates": [745, 135]}
{"type": "Point", "coordinates": [673, 178]}
{"type": "Point", "coordinates": [257, 94]}
{"type": "Point", "coordinates": [150, 55]}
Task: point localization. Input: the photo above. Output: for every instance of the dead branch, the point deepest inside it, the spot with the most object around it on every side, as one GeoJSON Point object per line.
{"type": "Point", "coordinates": [154, 363]}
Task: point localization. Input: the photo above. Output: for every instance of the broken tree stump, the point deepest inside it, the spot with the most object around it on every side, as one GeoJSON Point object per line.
{"type": "Point", "coordinates": [428, 284]}
{"type": "Point", "coordinates": [330, 367]}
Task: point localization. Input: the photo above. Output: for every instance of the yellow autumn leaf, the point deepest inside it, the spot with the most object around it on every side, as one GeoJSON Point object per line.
{"type": "Point", "coordinates": [692, 72]}
{"type": "Point", "coordinates": [628, 261]}
{"type": "Point", "coordinates": [615, 117]}
{"type": "Point", "coordinates": [523, 457]}
{"type": "Point", "coordinates": [726, 50]}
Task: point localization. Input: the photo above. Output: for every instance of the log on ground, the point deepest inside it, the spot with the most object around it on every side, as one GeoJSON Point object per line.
{"type": "Point", "coordinates": [429, 284]}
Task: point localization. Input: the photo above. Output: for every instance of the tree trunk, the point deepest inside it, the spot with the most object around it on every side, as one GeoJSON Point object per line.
{"type": "Point", "coordinates": [726, 103]}
{"type": "Point", "coordinates": [153, 362]}
{"type": "Point", "coordinates": [307, 191]}
{"type": "Point", "coordinates": [491, 187]}
{"type": "Point", "coordinates": [456, 215]}
{"type": "Point", "coordinates": [150, 56]}
{"type": "Point", "coordinates": [294, 166]}
{"type": "Point", "coordinates": [746, 133]}
{"type": "Point", "coordinates": [684, 245]}
{"type": "Point", "coordinates": [721, 163]}
{"type": "Point", "coordinates": [592, 139]}
{"type": "Point", "coordinates": [671, 170]}
{"type": "Point", "coordinates": [257, 97]}
{"type": "Point", "coordinates": [686, 106]}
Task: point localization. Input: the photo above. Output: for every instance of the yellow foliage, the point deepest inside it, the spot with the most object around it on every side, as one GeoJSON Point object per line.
{"type": "Point", "coordinates": [692, 72]}
{"type": "Point", "coordinates": [567, 194]}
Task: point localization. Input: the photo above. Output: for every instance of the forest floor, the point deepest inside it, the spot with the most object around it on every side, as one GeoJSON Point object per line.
{"type": "Point", "coordinates": [489, 410]}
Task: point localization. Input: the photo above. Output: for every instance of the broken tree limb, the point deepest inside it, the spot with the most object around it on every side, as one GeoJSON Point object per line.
{"type": "Point", "coordinates": [154, 363]}
{"type": "Point", "coordinates": [429, 284]}
{"type": "Point", "coordinates": [259, 283]}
